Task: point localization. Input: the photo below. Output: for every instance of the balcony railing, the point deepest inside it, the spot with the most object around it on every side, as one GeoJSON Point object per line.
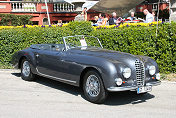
{"type": "Point", "coordinates": [23, 7]}
{"type": "Point", "coordinates": [32, 5]}
{"type": "Point", "coordinates": [63, 7]}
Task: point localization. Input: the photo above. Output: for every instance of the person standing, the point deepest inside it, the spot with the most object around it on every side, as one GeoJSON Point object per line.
{"type": "Point", "coordinates": [84, 13]}
{"type": "Point", "coordinates": [131, 18]}
{"type": "Point", "coordinates": [114, 20]}
{"type": "Point", "coordinates": [99, 21]}
{"type": "Point", "coordinates": [154, 16]}
{"type": "Point", "coordinates": [149, 16]}
{"type": "Point", "coordinates": [104, 19]}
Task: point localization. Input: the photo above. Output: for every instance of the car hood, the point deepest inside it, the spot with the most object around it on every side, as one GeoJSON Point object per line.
{"type": "Point", "coordinates": [114, 56]}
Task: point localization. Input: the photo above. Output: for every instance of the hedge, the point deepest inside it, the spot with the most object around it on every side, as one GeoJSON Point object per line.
{"type": "Point", "coordinates": [134, 40]}
{"type": "Point", "coordinates": [143, 41]}
{"type": "Point", "coordinates": [14, 20]}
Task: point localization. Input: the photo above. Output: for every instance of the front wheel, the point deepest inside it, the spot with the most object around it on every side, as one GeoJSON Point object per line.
{"type": "Point", "coordinates": [93, 87]}
{"type": "Point", "coordinates": [26, 73]}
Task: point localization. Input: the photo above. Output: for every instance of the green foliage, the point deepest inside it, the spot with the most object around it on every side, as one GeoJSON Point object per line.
{"type": "Point", "coordinates": [15, 20]}
{"type": "Point", "coordinates": [13, 40]}
{"type": "Point", "coordinates": [134, 40]}
{"type": "Point", "coordinates": [143, 41]}
{"type": "Point", "coordinates": [80, 27]}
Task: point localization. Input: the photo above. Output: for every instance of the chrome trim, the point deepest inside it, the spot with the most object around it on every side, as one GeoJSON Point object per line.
{"type": "Point", "coordinates": [65, 43]}
{"type": "Point", "coordinates": [56, 78]}
{"type": "Point", "coordinates": [140, 73]}
{"type": "Point", "coordinates": [80, 36]}
{"type": "Point", "coordinates": [143, 72]}
{"type": "Point", "coordinates": [153, 83]}
{"type": "Point", "coordinates": [26, 69]}
{"type": "Point", "coordinates": [131, 88]}
{"type": "Point", "coordinates": [93, 86]}
{"type": "Point", "coordinates": [126, 88]}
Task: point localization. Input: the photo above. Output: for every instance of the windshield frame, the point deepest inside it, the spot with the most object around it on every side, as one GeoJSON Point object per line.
{"type": "Point", "coordinates": [65, 43]}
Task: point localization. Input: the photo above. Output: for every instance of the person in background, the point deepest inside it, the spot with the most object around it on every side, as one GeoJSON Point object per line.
{"type": "Point", "coordinates": [131, 18]}
{"type": "Point", "coordinates": [119, 21]}
{"type": "Point", "coordinates": [149, 16]}
{"type": "Point", "coordinates": [59, 22]}
{"type": "Point", "coordinates": [84, 13]}
{"type": "Point", "coordinates": [104, 19]}
{"type": "Point", "coordinates": [99, 21]}
{"type": "Point", "coordinates": [96, 18]}
{"type": "Point", "coordinates": [53, 23]}
{"type": "Point", "coordinates": [114, 20]}
{"type": "Point", "coordinates": [95, 21]}
{"type": "Point", "coordinates": [154, 16]}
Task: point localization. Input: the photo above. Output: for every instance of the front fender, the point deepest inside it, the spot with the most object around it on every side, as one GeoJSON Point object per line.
{"type": "Point", "coordinates": [107, 69]}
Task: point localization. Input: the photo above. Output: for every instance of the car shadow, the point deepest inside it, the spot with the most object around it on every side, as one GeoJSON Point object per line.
{"type": "Point", "coordinates": [59, 85]}
{"type": "Point", "coordinates": [16, 74]}
{"type": "Point", "coordinates": [127, 97]}
{"type": "Point", "coordinates": [114, 98]}
{"type": "Point", "coordinates": [55, 84]}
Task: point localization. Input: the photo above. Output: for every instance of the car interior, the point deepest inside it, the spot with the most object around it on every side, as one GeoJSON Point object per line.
{"type": "Point", "coordinates": [52, 47]}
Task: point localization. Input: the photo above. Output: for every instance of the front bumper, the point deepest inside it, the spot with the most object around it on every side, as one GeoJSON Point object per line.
{"type": "Point", "coordinates": [131, 88]}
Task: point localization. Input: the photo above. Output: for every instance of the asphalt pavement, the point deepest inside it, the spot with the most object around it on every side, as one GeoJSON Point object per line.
{"type": "Point", "coordinates": [45, 98]}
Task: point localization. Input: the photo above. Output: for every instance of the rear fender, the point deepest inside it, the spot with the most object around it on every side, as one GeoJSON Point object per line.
{"type": "Point", "coordinates": [31, 58]}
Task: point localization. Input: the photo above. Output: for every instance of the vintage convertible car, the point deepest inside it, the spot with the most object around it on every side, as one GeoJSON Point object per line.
{"type": "Point", "coordinates": [82, 61]}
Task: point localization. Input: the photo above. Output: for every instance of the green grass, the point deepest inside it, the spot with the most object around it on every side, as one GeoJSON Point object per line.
{"type": "Point", "coordinates": [6, 66]}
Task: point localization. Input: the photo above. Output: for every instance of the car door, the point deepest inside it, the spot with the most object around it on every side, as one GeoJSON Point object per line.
{"type": "Point", "coordinates": [53, 64]}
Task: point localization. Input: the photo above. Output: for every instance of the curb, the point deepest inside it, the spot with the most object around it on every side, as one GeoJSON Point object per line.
{"type": "Point", "coordinates": [8, 70]}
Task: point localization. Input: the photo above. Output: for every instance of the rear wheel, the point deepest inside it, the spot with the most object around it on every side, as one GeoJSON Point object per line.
{"type": "Point", "coordinates": [26, 73]}
{"type": "Point", "coordinates": [93, 87]}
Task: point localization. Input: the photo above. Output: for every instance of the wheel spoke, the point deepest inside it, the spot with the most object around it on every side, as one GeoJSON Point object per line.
{"type": "Point", "coordinates": [93, 86]}
{"type": "Point", "coordinates": [26, 69]}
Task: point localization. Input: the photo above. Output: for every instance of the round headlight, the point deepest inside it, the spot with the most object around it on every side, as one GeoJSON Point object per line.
{"type": "Point", "coordinates": [127, 72]}
{"type": "Point", "coordinates": [152, 70]}
{"type": "Point", "coordinates": [158, 76]}
{"type": "Point", "coordinates": [118, 81]}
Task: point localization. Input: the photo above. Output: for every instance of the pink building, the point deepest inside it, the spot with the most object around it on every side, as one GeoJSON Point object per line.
{"type": "Point", "coordinates": [152, 5]}
{"type": "Point", "coordinates": [59, 10]}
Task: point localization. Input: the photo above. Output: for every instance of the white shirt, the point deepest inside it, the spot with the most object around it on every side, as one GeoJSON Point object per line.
{"type": "Point", "coordinates": [149, 18]}
{"type": "Point", "coordinates": [131, 18]}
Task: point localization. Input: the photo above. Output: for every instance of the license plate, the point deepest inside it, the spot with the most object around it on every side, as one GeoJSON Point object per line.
{"type": "Point", "coordinates": [144, 89]}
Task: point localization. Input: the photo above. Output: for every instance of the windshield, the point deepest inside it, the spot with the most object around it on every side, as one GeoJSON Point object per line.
{"type": "Point", "coordinates": [81, 41]}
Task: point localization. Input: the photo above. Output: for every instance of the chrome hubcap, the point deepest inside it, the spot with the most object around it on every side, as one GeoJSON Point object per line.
{"type": "Point", "coordinates": [26, 69]}
{"type": "Point", "coordinates": [93, 86]}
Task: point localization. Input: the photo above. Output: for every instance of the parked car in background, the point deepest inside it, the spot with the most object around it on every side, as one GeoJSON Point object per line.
{"type": "Point", "coordinates": [82, 61]}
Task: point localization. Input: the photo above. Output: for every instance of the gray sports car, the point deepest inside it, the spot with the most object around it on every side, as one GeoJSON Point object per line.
{"type": "Point", "coordinates": [82, 61]}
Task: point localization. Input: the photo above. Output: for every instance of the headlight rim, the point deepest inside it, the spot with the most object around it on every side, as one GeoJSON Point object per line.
{"type": "Point", "coordinates": [118, 81]}
{"type": "Point", "coordinates": [126, 71]}
{"type": "Point", "coordinates": [151, 68]}
{"type": "Point", "coordinates": [158, 76]}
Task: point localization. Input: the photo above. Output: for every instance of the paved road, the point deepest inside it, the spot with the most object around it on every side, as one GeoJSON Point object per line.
{"type": "Point", "coordinates": [46, 98]}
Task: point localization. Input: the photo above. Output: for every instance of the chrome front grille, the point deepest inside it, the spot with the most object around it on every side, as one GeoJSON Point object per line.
{"type": "Point", "coordinates": [140, 73]}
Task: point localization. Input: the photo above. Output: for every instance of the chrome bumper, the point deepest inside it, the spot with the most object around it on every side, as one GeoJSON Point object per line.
{"type": "Point", "coordinates": [131, 88]}
{"type": "Point", "coordinates": [153, 83]}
